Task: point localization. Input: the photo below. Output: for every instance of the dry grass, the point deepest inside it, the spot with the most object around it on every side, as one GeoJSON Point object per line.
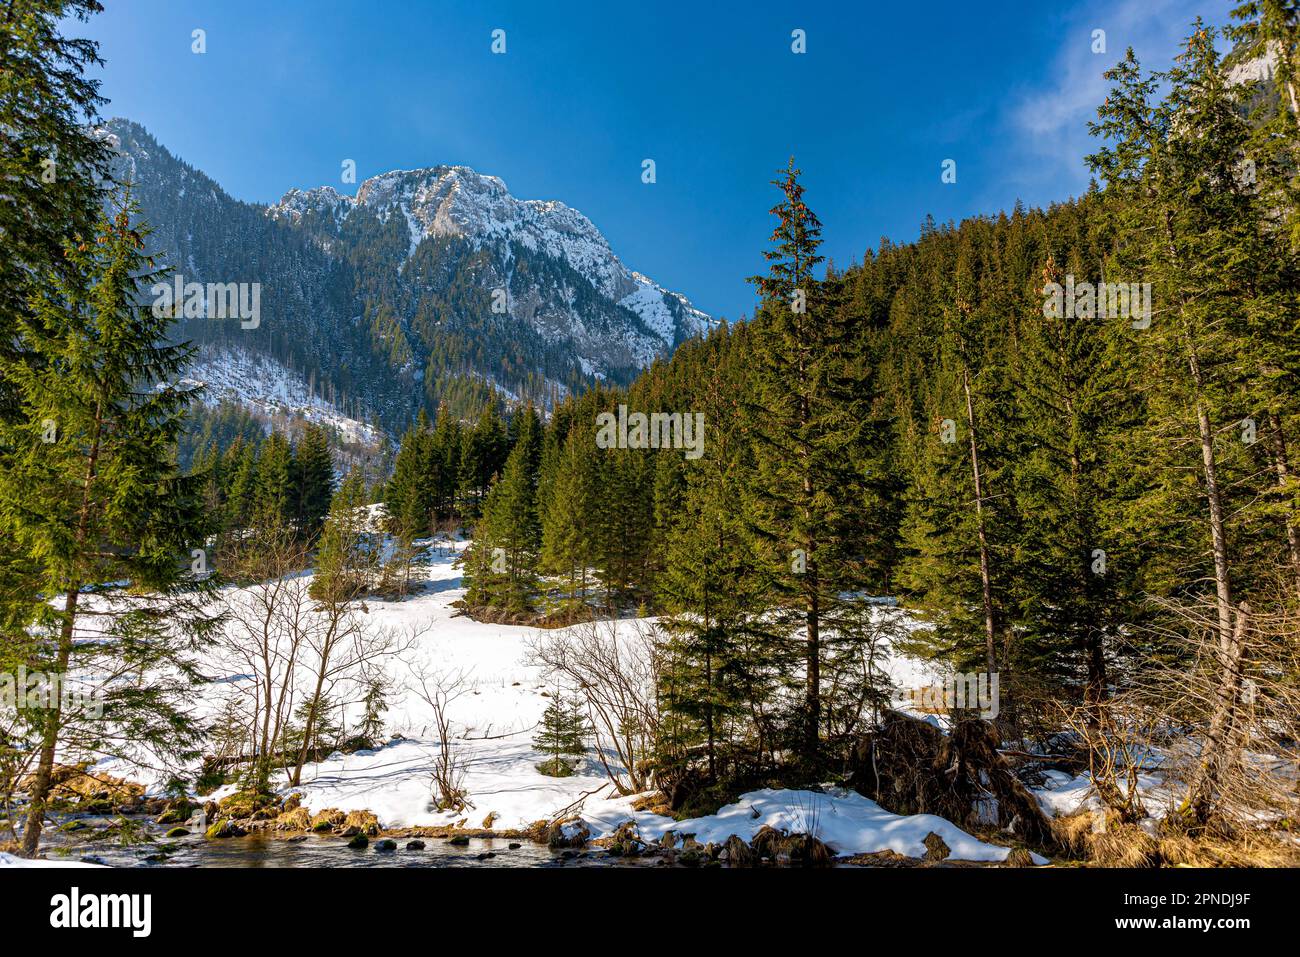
{"type": "Point", "coordinates": [1099, 840]}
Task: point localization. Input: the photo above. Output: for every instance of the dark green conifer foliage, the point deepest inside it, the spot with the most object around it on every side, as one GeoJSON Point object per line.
{"type": "Point", "coordinates": [562, 735]}
{"type": "Point", "coordinates": [90, 495]}
{"type": "Point", "coordinates": [348, 556]}
{"type": "Point", "coordinates": [483, 455]}
{"type": "Point", "coordinates": [273, 494]}
{"type": "Point", "coordinates": [53, 172]}
{"type": "Point", "coordinates": [444, 466]}
{"type": "Point", "coordinates": [313, 480]}
{"type": "Point", "coordinates": [567, 511]}
{"type": "Point", "coordinates": [507, 537]}
{"type": "Point", "coordinates": [806, 430]}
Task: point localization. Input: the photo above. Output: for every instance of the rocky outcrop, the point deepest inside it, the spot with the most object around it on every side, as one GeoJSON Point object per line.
{"type": "Point", "coordinates": [225, 827]}
{"type": "Point", "coordinates": [936, 849]}
{"type": "Point", "coordinates": [328, 820]}
{"type": "Point", "coordinates": [626, 841]}
{"type": "Point", "coordinates": [568, 832]}
{"type": "Point", "coordinates": [294, 819]}
{"type": "Point", "coordinates": [359, 822]}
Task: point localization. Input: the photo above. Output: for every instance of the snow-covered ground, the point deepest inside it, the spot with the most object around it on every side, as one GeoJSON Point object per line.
{"type": "Point", "coordinates": [494, 721]}
{"type": "Point", "coordinates": [268, 387]}
{"type": "Point", "coordinates": [1064, 794]}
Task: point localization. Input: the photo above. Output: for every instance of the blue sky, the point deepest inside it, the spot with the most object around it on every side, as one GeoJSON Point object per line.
{"type": "Point", "coordinates": [288, 89]}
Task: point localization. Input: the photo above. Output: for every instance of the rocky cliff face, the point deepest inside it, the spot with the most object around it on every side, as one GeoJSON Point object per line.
{"type": "Point", "coordinates": [430, 285]}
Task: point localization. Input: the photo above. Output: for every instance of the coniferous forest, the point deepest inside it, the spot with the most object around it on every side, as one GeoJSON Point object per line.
{"type": "Point", "coordinates": [1000, 526]}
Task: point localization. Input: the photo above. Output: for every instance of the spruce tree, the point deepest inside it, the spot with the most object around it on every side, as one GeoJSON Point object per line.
{"type": "Point", "coordinates": [1077, 573]}
{"type": "Point", "coordinates": [374, 703]}
{"type": "Point", "coordinates": [625, 511]}
{"type": "Point", "coordinates": [1175, 163]}
{"type": "Point", "coordinates": [241, 492]}
{"type": "Point", "coordinates": [806, 430]}
{"type": "Point", "coordinates": [273, 490]}
{"type": "Point", "coordinates": [313, 481]}
{"type": "Point", "coordinates": [407, 503]}
{"type": "Point", "coordinates": [507, 538]}
{"type": "Point", "coordinates": [54, 174]}
{"type": "Point", "coordinates": [717, 661]}
{"type": "Point", "coordinates": [103, 503]}
{"type": "Point", "coordinates": [483, 454]}
{"type": "Point", "coordinates": [562, 734]}
{"type": "Point", "coordinates": [349, 549]}
{"type": "Point", "coordinates": [444, 463]}
{"type": "Point", "coordinates": [567, 515]}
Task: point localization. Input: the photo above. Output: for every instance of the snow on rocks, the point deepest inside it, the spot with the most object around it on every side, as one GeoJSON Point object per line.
{"type": "Point", "coordinates": [457, 201]}
{"type": "Point", "coordinates": [845, 820]}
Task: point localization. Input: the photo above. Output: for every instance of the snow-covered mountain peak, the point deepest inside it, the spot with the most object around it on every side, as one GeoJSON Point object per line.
{"type": "Point", "coordinates": [297, 202]}
{"type": "Point", "coordinates": [1259, 68]}
{"type": "Point", "coordinates": [400, 283]}
{"type": "Point", "coordinates": [460, 202]}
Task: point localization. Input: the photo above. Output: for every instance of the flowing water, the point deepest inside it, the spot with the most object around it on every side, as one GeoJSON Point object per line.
{"type": "Point", "coordinates": [150, 849]}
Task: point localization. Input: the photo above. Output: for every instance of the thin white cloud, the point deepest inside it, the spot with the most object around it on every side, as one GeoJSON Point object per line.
{"type": "Point", "coordinates": [1049, 127]}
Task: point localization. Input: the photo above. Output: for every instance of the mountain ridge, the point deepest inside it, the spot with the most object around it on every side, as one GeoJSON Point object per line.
{"type": "Point", "coordinates": [436, 277]}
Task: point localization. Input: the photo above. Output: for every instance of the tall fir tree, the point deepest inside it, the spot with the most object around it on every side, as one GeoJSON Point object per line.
{"type": "Point", "coordinates": [53, 188]}
{"type": "Point", "coordinates": [91, 496]}
{"type": "Point", "coordinates": [806, 429]}
{"type": "Point", "coordinates": [502, 572]}
{"type": "Point", "coordinates": [567, 506]}
{"type": "Point", "coordinates": [54, 173]}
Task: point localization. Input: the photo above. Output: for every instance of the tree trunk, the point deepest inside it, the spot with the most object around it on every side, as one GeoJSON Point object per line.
{"type": "Point", "coordinates": [1209, 464]}
{"type": "Point", "coordinates": [986, 582]}
{"type": "Point", "coordinates": [708, 715]}
{"type": "Point", "coordinates": [1095, 689]}
{"type": "Point", "coordinates": [1216, 756]}
{"type": "Point", "coordinates": [308, 729]}
{"type": "Point", "coordinates": [1283, 469]}
{"type": "Point", "coordinates": [813, 690]}
{"type": "Point", "coordinates": [812, 650]}
{"type": "Point", "coordinates": [1218, 533]}
{"type": "Point", "coordinates": [50, 739]}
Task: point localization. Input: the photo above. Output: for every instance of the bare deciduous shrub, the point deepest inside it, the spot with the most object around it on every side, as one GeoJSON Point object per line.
{"type": "Point", "coordinates": [288, 641]}
{"type": "Point", "coordinates": [1115, 737]}
{"type": "Point", "coordinates": [344, 647]}
{"type": "Point", "coordinates": [440, 689]}
{"type": "Point", "coordinates": [268, 621]}
{"type": "Point", "coordinates": [1229, 715]}
{"type": "Point", "coordinates": [617, 673]}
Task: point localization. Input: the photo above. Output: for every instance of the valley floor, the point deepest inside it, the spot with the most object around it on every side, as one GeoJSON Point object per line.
{"type": "Point", "coordinates": [494, 722]}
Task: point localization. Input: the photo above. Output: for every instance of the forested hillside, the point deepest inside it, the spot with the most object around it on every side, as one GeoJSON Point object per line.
{"type": "Point", "coordinates": [431, 288]}
{"type": "Point", "coordinates": [1091, 497]}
